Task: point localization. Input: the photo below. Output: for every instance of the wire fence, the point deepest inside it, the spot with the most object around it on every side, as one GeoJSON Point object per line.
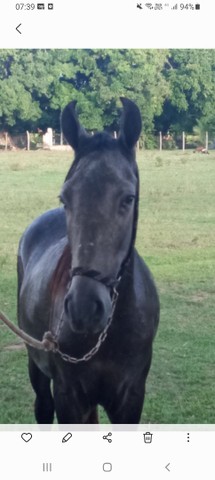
{"type": "Point", "coordinates": [53, 140]}
{"type": "Point", "coordinates": [33, 141]}
{"type": "Point", "coordinates": [180, 141]}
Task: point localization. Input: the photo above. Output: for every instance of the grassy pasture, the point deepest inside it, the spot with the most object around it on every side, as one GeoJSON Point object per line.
{"type": "Point", "coordinates": [176, 237]}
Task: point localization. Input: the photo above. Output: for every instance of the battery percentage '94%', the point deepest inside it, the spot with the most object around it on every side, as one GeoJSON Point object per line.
{"type": "Point", "coordinates": [25, 6]}
{"type": "Point", "coordinates": [187, 6]}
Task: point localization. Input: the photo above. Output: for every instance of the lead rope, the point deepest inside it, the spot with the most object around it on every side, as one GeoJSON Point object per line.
{"type": "Point", "coordinates": [49, 342]}
{"type": "Point", "coordinates": [46, 343]}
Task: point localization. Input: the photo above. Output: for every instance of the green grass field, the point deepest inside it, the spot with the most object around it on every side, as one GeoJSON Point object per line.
{"type": "Point", "coordinates": [176, 235]}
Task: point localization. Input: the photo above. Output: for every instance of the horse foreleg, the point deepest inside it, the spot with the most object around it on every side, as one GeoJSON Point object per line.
{"type": "Point", "coordinates": [125, 404]}
{"type": "Point", "coordinates": [93, 416]}
{"type": "Point", "coordinates": [44, 403]}
{"type": "Point", "coordinates": [71, 405]}
{"type": "Point", "coordinates": [126, 412]}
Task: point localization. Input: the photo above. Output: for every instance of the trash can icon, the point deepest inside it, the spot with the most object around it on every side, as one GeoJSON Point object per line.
{"type": "Point", "coordinates": [147, 437]}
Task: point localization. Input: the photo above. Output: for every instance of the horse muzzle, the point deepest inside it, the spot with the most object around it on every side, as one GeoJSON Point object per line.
{"type": "Point", "coordinates": [87, 305]}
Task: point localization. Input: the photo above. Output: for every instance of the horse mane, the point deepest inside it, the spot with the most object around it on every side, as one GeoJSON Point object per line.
{"type": "Point", "coordinates": [61, 275]}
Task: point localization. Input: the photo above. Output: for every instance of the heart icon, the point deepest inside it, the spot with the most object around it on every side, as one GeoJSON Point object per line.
{"type": "Point", "coordinates": [26, 437]}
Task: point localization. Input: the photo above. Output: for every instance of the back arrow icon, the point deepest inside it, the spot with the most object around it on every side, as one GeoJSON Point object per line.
{"type": "Point", "coordinates": [17, 28]}
{"type": "Point", "coordinates": [167, 467]}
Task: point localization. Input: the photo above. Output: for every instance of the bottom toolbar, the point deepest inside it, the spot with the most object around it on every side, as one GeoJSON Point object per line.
{"type": "Point", "coordinates": [107, 454]}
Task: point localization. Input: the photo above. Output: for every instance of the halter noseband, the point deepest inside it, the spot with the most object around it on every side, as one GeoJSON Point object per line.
{"type": "Point", "coordinates": [95, 275]}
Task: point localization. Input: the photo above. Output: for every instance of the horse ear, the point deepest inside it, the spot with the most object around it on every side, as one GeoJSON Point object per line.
{"type": "Point", "coordinates": [131, 123]}
{"type": "Point", "coordinates": [71, 126]}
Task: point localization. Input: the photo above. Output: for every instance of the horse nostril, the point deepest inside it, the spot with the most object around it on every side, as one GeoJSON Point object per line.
{"type": "Point", "coordinates": [95, 311]}
{"type": "Point", "coordinates": [98, 309]}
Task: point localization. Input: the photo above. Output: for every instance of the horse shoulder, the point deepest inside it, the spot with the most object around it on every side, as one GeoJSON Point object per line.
{"type": "Point", "coordinates": [40, 249]}
{"type": "Point", "coordinates": [145, 290]}
{"type": "Point", "coordinates": [44, 231]}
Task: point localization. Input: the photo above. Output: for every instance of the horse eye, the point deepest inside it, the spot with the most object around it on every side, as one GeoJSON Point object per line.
{"type": "Point", "coordinates": [130, 199]}
{"type": "Point", "coordinates": [127, 201]}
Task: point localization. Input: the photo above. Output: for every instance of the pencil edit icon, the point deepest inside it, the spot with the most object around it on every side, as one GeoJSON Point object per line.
{"type": "Point", "coordinates": [66, 437]}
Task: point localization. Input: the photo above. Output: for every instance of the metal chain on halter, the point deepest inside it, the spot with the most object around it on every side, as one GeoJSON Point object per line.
{"type": "Point", "coordinates": [101, 339]}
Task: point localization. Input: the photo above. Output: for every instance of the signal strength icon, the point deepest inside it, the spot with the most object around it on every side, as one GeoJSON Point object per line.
{"type": "Point", "coordinates": [175, 7]}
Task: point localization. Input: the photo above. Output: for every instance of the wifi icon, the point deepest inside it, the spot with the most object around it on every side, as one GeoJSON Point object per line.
{"type": "Point", "coordinates": [149, 5]}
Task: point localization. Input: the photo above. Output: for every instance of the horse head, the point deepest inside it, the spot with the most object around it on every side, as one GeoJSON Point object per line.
{"type": "Point", "coordinates": [100, 197]}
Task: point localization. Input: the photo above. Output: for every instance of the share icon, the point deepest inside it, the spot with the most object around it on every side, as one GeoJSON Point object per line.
{"type": "Point", "coordinates": [105, 437]}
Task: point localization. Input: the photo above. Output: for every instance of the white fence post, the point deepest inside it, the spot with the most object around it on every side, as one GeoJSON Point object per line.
{"type": "Point", "coordinates": [206, 140]}
{"type": "Point", "coordinates": [6, 140]}
{"type": "Point", "coordinates": [28, 140]}
{"type": "Point", "coordinates": [183, 141]}
{"type": "Point", "coordinates": [160, 141]}
{"type": "Point", "coordinates": [48, 138]}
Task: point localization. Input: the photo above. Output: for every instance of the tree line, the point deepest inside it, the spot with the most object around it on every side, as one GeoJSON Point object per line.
{"type": "Point", "coordinates": [174, 89]}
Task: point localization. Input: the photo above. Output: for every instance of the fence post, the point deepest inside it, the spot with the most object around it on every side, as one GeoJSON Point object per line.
{"type": "Point", "coordinates": [28, 140]}
{"type": "Point", "coordinates": [206, 140]}
{"type": "Point", "coordinates": [48, 138]}
{"type": "Point", "coordinates": [183, 141]}
{"type": "Point", "coordinates": [6, 140]}
{"type": "Point", "coordinates": [160, 141]}
{"type": "Point", "coordinates": [61, 131]}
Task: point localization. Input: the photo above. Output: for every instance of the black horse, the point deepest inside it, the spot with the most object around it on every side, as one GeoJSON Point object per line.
{"type": "Point", "coordinates": [80, 277]}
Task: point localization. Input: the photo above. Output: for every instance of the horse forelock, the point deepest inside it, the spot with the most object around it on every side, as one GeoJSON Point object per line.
{"type": "Point", "coordinates": [99, 143]}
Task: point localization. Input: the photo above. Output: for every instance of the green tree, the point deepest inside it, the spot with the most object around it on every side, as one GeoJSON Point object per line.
{"type": "Point", "coordinates": [36, 84]}
{"type": "Point", "coordinates": [191, 78]}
